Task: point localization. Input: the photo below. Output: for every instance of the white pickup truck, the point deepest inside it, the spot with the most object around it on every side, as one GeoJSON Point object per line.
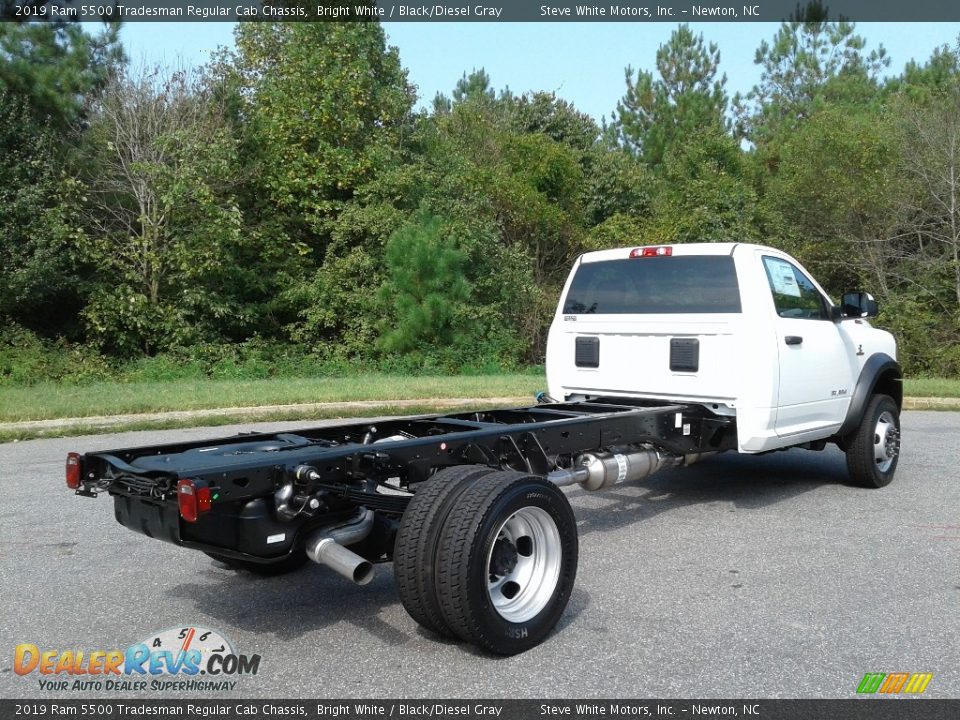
{"type": "Point", "coordinates": [657, 356]}
{"type": "Point", "coordinates": [743, 330]}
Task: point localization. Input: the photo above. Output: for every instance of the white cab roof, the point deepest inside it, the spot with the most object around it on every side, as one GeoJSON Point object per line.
{"type": "Point", "coordinates": [677, 249]}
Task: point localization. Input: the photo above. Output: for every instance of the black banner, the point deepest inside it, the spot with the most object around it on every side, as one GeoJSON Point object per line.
{"type": "Point", "coordinates": [873, 708]}
{"type": "Point", "coordinates": [466, 11]}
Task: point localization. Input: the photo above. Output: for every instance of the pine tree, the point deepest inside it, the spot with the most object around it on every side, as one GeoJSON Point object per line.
{"type": "Point", "coordinates": [57, 66]}
{"type": "Point", "coordinates": [686, 98]}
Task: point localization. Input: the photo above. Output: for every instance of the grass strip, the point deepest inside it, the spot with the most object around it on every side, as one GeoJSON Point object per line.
{"type": "Point", "coordinates": [932, 387]}
{"type": "Point", "coordinates": [46, 401]}
{"type": "Point", "coordinates": [385, 410]}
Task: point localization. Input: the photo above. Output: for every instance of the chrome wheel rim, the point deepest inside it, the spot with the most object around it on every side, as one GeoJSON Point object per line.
{"type": "Point", "coordinates": [523, 565]}
{"type": "Point", "coordinates": [886, 442]}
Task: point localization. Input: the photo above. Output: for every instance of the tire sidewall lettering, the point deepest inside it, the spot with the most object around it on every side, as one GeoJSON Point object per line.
{"type": "Point", "coordinates": [529, 632]}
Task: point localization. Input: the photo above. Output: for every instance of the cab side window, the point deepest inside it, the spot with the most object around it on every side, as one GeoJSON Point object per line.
{"type": "Point", "coordinates": [794, 295]}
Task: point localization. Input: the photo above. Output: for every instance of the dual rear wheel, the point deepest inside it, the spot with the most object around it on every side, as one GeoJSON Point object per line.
{"type": "Point", "coordinates": [488, 557]}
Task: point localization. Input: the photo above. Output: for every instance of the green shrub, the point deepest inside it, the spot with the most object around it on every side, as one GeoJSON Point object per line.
{"type": "Point", "coordinates": [26, 359]}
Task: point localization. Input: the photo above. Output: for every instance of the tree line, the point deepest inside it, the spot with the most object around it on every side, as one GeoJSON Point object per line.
{"type": "Point", "coordinates": [287, 198]}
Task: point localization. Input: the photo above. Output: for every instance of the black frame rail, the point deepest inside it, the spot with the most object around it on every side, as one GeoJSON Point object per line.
{"type": "Point", "coordinates": [535, 439]}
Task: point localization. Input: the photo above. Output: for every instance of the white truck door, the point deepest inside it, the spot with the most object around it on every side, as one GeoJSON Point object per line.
{"type": "Point", "coordinates": [816, 373]}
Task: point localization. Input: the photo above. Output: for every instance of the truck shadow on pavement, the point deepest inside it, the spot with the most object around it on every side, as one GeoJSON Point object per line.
{"type": "Point", "coordinates": [316, 600]}
{"type": "Point", "coordinates": [293, 605]}
{"type": "Point", "coordinates": [746, 482]}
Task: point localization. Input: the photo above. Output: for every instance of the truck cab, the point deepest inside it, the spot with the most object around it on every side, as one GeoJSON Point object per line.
{"type": "Point", "coordinates": [744, 330]}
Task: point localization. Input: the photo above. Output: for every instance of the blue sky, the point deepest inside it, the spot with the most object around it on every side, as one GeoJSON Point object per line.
{"type": "Point", "coordinates": [581, 62]}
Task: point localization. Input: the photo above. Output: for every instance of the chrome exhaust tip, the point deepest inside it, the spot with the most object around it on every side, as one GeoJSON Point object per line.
{"type": "Point", "coordinates": [325, 546]}
{"type": "Point", "coordinates": [344, 562]}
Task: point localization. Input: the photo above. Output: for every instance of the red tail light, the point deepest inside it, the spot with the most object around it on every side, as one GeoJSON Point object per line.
{"type": "Point", "coordinates": [74, 471]}
{"type": "Point", "coordinates": [193, 499]}
{"type": "Point", "coordinates": [658, 251]}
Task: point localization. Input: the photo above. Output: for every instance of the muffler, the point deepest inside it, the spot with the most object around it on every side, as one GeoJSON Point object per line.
{"type": "Point", "coordinates": [595, 471]}
{"type": "Point", "coordinates": [326, 547]}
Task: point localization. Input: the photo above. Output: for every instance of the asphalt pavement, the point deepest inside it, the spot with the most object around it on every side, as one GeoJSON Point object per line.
{"type": "Point", "coordinates": [763, 577]}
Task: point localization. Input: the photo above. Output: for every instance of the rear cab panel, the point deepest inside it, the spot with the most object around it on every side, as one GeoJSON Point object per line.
{"type": "Point", "coordinates": [646, 315]}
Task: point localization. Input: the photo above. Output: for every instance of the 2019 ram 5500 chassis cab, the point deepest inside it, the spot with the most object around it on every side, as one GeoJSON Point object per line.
{"type": "Point", "coordinates": [656, 357]}
{"type": "Point", "coordinates": [742, 330]}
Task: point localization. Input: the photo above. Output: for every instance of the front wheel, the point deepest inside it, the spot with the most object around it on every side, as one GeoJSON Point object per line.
{"type": "Point", "coordinates": [874, 450]}
{"type": "Point", "coordinates": [506, 562]}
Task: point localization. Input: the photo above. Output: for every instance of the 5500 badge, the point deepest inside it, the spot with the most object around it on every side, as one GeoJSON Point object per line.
{"type": "Point", "coordinates": [188, 651]}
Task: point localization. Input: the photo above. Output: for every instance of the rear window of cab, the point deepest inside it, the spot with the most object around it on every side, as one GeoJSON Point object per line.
{"type": "Point", "coordinates": [656, 285]}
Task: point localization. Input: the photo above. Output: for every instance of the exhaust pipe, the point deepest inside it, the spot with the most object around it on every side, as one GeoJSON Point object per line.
{"type": "Point", "coordinates": [595, 471]}
{"type": "Point", "coordinates": [326, 547]}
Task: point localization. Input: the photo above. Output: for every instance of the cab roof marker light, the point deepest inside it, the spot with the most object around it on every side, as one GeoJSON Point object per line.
{"type": "Point", "coordinates": [656, 251]}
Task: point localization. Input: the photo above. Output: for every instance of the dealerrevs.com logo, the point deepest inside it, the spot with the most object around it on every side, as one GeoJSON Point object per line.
{"type": "Point", "coordinates": [184, 658]}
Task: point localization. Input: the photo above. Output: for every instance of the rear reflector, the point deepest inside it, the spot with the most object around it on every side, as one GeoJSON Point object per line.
{"type": "Point", "coordinates": [204, 502]}
{"type": "Point", "coordinates": [659, 251]}
{"type": "Point", "coordinates": [193, 499]}
{"type": "Point", "coordinates": [74, 470]}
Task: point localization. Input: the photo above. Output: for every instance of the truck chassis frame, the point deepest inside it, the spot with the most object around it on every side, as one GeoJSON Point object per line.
{"type": "Point", "coordinates": [376, 465]}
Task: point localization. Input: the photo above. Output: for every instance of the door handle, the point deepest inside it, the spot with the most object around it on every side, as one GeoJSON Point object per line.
{"type": "Point", "coordinates": [793, 340]}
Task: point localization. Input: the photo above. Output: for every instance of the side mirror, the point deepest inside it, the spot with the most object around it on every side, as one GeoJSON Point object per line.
{"type": "Point", "coordinates": [858, 305]}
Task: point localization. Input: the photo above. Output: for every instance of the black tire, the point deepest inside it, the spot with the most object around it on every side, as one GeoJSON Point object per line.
{"type": "Point", "coordinates": [480, 553]}
{"type": "Point", "coordinates": [289, 564]}
{"type": "Point", "coordinates": [874, 447]}
{"type": "Point", "coordinates": [415, 550]}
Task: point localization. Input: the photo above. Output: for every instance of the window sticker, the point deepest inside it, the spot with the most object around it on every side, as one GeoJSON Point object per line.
{"type": "Point", "coordinates": [782, 278]}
